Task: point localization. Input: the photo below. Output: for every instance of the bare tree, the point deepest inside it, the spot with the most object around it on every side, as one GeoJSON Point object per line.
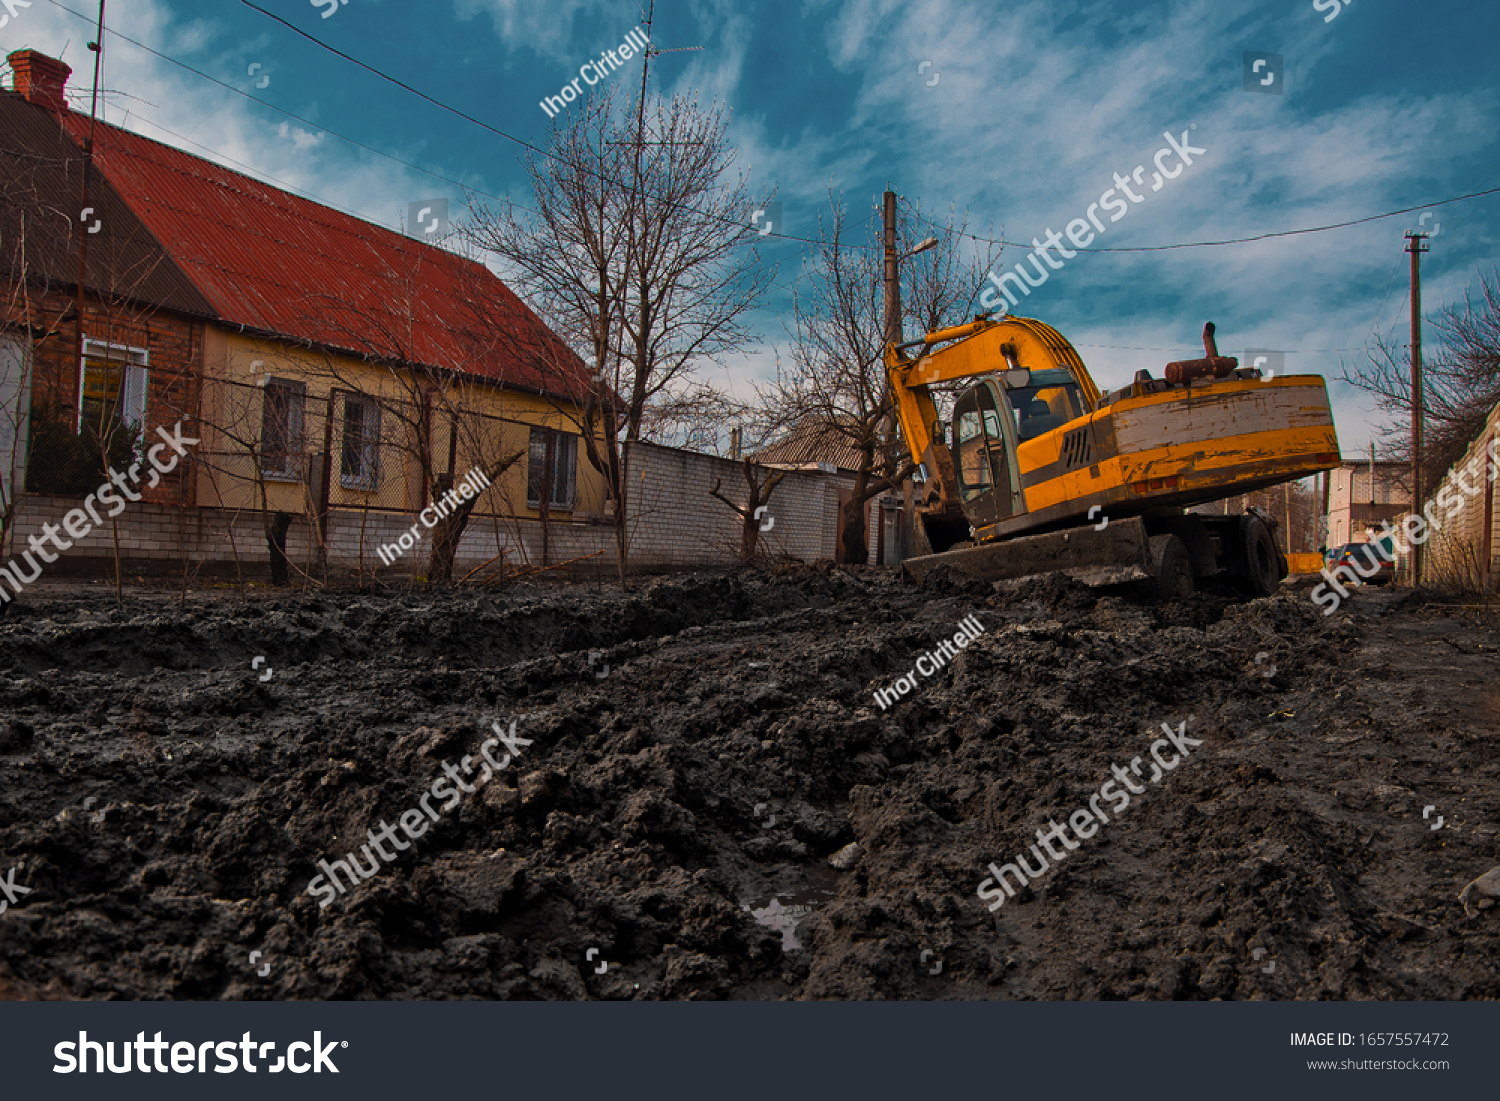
{"type": "Point", "coordinates": [835, 384]}
{"type": "Point", "coordinates": [1460, 382]}
{"type": "Point", "coordinates": [704, 419]}
{"type": "Point", "coordinates": [637, 253]}
{"type": "Point", "coordinates": [428, 414]}
{"type": "Point", "coordinates": [761, 483]}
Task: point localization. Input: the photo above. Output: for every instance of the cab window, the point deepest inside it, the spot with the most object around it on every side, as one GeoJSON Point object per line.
{"type": "Point", "coordinates": [980, 444]}
{"type": "Point", "coordinates": [1050, 402]}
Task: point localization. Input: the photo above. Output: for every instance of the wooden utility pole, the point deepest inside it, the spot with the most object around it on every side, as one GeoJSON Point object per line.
{"type": "Point", "coordinates": [893, 335]}
{"type": "Point", "coordinates": [97, 47]}
{"type": "Point", "coordinates": [892, 279]}
{"type": "Point", "coordinates": [1416, 244]}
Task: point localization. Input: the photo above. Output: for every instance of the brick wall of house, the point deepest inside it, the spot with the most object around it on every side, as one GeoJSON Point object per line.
{"type": "Point", "coordinates": [174, 347]}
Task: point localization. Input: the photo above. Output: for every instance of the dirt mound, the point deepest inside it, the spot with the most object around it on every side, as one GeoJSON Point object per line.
{"type": "Point", "coordinates": [686, 759]}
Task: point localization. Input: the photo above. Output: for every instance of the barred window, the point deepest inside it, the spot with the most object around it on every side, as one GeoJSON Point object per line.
{"type": "Point", "coordinates": [552, 453]}
{"type": "Point", "coordinates": [282, 443]}
{"type": "Point", "coordinates": [359, 457]}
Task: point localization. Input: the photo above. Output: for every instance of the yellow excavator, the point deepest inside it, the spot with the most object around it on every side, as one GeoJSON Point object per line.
{"type": "Point", "coordinates": [1039, 471]}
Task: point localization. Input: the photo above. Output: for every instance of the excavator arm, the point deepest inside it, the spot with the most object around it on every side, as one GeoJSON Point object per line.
{"type": "Point", "coordinates": [983, 347]}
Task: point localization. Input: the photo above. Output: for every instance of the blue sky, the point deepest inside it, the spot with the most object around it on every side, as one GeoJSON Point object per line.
{"type": "Point", "coordinates": [1023, 116]}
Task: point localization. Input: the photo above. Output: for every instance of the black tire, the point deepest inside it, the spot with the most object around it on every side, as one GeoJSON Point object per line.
{"type": "Point", "coordinates": [1173, 567]}
{"type": "Point", "coordinates": [1262, 571]}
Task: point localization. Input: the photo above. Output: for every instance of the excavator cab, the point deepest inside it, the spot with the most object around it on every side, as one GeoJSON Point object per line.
{"type": "Point", "coordinates": [991, 420]}
{"type": "Point", "coordinates": [984, 448]}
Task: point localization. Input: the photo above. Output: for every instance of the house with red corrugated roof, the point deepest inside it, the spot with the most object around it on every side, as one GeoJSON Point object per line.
{"type": "Point", "coordinates": [339, 376]}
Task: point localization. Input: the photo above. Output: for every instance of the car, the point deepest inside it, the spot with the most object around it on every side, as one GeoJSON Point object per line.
{"type": "Point", "coordinates": [1375, 563]}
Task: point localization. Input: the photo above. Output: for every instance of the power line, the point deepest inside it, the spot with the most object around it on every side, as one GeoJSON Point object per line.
{"type": "Point", "coordinates": [782, 236]}
{"type": "Point", "coordinates": [522, 142]}
{"type": "Point", "coordinates": [1258, 237]}
{"type": "Point", "coordinates": [279, 110]}
{"type": "Point", "coordinates": [1142, 248]}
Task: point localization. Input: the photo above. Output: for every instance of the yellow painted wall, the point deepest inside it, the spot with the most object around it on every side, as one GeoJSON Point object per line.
{"type": "Point", "coordinates": [233, 408]}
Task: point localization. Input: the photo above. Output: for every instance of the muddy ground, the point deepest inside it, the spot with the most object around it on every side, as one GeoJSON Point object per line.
{"type": "Point", "coordinates": [682, 795]}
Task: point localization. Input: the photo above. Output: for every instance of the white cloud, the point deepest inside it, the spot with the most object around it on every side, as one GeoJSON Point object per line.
{"type": "Point", "coordinates": [548, 29]}
{"type": "Point", "coordinates": [1027, 127]}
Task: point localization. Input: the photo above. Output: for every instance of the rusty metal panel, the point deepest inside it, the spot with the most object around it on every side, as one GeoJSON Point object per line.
{"type": "Point", "coordinates": [1218, 413]}
{"type": "Point", "coordinates": [283, 265]}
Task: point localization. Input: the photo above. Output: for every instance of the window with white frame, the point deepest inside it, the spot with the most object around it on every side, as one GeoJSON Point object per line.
{"type": "Point", "coordinates": [282, 443]}
{"type": "Point", "coordinates": [112, 389]}
{"type": "Point", "coordinates": [359, 453]}
{"type": "Point", "coordinates": [552, 463]}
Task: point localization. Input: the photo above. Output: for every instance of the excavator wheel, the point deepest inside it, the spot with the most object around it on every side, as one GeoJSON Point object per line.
{"type": "Point", "coordinates": [1173, 567]}
{"type": "Point", "coordinates": [1263, 563]}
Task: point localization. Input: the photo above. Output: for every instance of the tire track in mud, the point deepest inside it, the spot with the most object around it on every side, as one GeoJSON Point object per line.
{"type": "Point", "coordinates": [639, 822]}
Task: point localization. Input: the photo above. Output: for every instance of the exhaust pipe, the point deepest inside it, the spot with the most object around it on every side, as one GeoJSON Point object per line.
{"type": "Point", "coordinates": [1212, 366]}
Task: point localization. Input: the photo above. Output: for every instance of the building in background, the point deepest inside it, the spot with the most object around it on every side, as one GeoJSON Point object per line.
{"type": "Point", "coordinates": [337, 373]}
{"type": "Point", "coordinates": [1363, 493]}
{"type": "Point", "coordinates": [816, 447]}
{"type": "Point", "coordinates": [339, 377]}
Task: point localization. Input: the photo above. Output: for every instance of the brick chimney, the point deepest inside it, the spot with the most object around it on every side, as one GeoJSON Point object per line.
{"type": "Point", "coordinates": [41, 79]}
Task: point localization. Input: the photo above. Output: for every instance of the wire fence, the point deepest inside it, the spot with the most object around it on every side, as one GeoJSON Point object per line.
{"type": "Point", "coordinates": [320, 481]}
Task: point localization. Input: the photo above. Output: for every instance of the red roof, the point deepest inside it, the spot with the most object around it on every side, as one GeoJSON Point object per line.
{"type": "Point", "coordinates": [280, 264]}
